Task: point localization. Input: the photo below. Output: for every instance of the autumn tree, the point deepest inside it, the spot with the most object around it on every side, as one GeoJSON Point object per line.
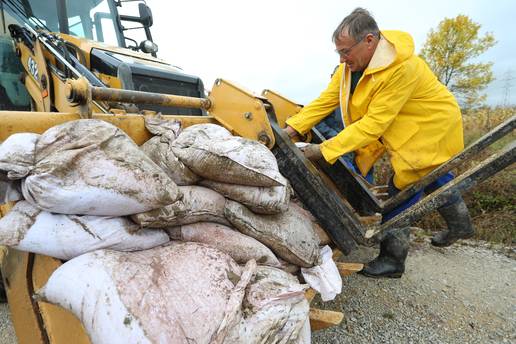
{"type": "Point", "coordinates": [451, 52]}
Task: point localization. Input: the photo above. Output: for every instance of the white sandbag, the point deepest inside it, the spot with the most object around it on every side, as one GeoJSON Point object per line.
{"type": "Point", "coordinates": [17, 156]}
{"type": "Point", "coordinates": [199, 204]}
{"type": "Point", "coordinates": [159, 150]}
{"type": "Point", "coordinates": [173, 294]}
{"type": "Point", "coordinates": [324, 239]}
{"type": "Point", "coordinates": [289, 235]}
{"type": "Point", "coordinates": [305, 336]}
{"type": "Point", "coordinates": [275, 308]}
{"type": "Point", "coordinates": [324, 278]}
{"type": "Point", "coordinates": [261, 200]}
{"type": "Point", "coordinates": [30, 229]}
{"type": "Point", "coordinates": [92, 167]}
{"type": "Point", "coordinates": [159, 126]}
{"type": "Point", "coordinates": [233, 160]}
{"type": "Point", "coordinates": [199, 133]}
{"type": "Point", "coordinates": [241, 248]}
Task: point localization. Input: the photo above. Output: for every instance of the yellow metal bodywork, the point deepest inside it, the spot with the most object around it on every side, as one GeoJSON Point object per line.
{"type": "Point", "coordinates": [132, 124]}
{"type": "Point", "coordinates": [237, 109]}
{"type": "Point", "coordinates": [86, 46]}
{"type": "Point", "coordinates": [283, 107]}
{"type": "Point", "coordinates": [35, 80]}
{"type": "Point", "coordinates": [241, 112]}
{"type": "Point", "coordinates": [60, 325]}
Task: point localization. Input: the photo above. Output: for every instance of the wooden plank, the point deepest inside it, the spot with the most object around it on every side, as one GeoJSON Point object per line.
{"type": "Point", "coordinates": [346, 269]}
{"type": "Point", "coordinates": [438, 198]}
{"type": "Point", "coordinates": [467, 154]}
{"type": "Point", "coordinates": [336, 254]}
{"type": "Point", "coordinates": [310, 294]}
{"type": "Point", "coordinates": [321, 319]}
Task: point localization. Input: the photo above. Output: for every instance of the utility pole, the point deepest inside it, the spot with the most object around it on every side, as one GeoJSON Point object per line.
{"type": "Point", "coordinates": [507, 85]}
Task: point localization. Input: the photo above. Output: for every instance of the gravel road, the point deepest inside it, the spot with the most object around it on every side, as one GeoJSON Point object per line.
{"type": "Point", "coordinates": [463, 294]}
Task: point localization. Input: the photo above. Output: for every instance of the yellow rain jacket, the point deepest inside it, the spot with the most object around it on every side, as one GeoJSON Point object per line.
{"type": "Point", "coordinates": [398, 102]}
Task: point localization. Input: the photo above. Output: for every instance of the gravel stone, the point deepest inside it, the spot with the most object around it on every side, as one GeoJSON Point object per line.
{"type": "Point", "coordinates": [461, 294]}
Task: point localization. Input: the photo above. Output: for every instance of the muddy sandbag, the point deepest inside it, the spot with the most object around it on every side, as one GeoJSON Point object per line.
{"type": "Point", "coordinates": [199, 133]}
{"type": "Point", "coordinates": [173, 294]}
{"type": "Point", "coordinates": [275, 309]}
{"type": "Point", "coordinates": [241, 248]}
{"type": "Point", "coordinates": [158, 148]}
{"type": "Point", "coordinates": [17, 156]}
{"type": "Point", "coordinates": [261, 200]}
{"type": "Point", "coordinates": [27, 228]}
{"type": "Point", "coordinates": [91, 167]}
{"type": "Point", "coordinates": [199, 204]}
{"type": "Point", "coordinates": [290, 235]}
{"type": "Point", "coordinates": [324, 239]}
{"type": "Point", "coordinates": [233, 160]}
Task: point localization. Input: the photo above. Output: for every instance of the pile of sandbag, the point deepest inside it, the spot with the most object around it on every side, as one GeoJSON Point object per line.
{"type": "Point", "coordinates": [77, 182]}
{"type": "Point", "coordinates": [181, 293]}
{"type": "Point", "coordinates": [86, 167]}
{"type": "Point", "coordinates": [242, 190]}
{"type": "Point", "coordinates": [160, 231]}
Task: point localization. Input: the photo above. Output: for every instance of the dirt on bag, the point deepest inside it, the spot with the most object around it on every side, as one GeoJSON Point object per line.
{"type": "Point", "coordinates": [289, 235]}
{"type": "Point", "coordinates": [90, 167]}
{"type": "Point", "coordinates": [241, 248]}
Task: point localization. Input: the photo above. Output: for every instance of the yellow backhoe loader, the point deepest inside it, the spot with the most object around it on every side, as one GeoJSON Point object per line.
{"type": "Point", "coordinates": [63, 60]}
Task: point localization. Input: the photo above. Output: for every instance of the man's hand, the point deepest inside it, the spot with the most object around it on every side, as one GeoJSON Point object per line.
{"type": "Point", "coordinates": [312, 152]}
{"type": "Point", "coordinates": [291, 132]}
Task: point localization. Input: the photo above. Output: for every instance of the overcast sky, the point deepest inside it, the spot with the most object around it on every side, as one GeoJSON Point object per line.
{"type": "Point", "coordinates": [285, 45]}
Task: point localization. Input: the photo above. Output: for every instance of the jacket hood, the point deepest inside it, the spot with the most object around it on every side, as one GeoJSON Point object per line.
{"type": "Point", "coordinates": [394, 47]}
{"type": "Point", "coordinates": [403, 43]}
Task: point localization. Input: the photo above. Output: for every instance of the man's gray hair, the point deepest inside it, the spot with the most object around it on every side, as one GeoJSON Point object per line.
{"type": "Point", "coordinates": [358, 24]}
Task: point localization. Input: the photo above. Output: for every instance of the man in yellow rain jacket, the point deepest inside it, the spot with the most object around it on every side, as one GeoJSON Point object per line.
{"type": "Point", "coordinates": [390, 100]}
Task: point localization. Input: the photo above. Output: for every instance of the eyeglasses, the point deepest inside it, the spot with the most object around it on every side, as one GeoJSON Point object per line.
{"type": "Point", "coordinates": [346, 51]}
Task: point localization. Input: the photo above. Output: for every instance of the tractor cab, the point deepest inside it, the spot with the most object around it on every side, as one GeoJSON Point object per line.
{"type": "Point", "coordinates": [96, 34]}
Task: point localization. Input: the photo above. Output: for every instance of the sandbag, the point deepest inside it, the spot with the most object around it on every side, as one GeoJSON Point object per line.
{"type": "Point", "coordinates": [290, 235]}
{"type": "Point", "coordinates": [30, 229]}
{"type": "Point", "coordinates": [91, 167]}
{"type": "Point", "coordinates": [173, 294]}
{"type": "Point", "coordinates": [241, 248]}
{"type": "Point", "coordinates": [199, 204]}
{"type": "Point", "coordinates": [199, 133]}
{"type": "Point", "coordinates": [275, 308]}
{"type": "Point", "coordinates": [159, 126]}
{"type": "Point", "coordinates": [233, 160]}
{"type": "Point", "coordinates": [17, 156]}
{"type": "Point", "coordinates": [261, 200]}
{"type": "Point", "coordinates": [159, 150]}
{"type": "Point", "coordinates": [324, 239]}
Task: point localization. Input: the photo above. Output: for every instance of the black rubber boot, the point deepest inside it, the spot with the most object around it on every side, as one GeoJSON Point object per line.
{"type": "Point", "coordinates": [459, 224]}
{"type": "Point", "coordinates": [390, 263]}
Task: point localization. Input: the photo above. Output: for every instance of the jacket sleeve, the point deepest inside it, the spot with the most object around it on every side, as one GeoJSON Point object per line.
{"type": "Point", "coordinates": [321, 107]}
{"type": "Point", "coordinates": [383, 109]}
